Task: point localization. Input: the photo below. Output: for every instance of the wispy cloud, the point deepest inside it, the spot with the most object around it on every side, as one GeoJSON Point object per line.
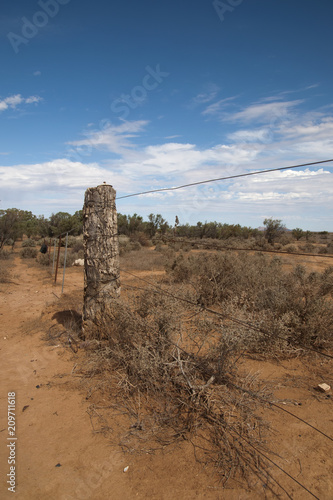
{"type": "Point", "coordinates": [112, 138]}
{"type": "Point", "coordinates": [255, 135]}
{"type": "Point", "coordinates": [218, 107]}
{"type": "Point", "coordinates": [208, 95]}
{"type": "Point", "coordinates": [263, 112]}
{"type": "Point", "coordinates": [13, 101]}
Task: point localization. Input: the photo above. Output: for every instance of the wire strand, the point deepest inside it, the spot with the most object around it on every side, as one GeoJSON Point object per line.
{"type": "Point", "coordinates": [254, 395]}
{"type": "Point", "coordinates": [275, 464]}
{"type": "Point", "coordinates": [257, 172]}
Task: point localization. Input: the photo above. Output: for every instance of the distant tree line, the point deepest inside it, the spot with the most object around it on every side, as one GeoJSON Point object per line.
{"type": "Point", "coordinates": [15, 223]}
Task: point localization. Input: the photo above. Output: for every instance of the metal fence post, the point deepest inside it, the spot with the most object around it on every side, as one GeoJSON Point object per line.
{"type": "Point", "coordinates": [57, 265]}
{"type": "Point", "coordinates": [63, 276]}
{"type": "Point", "coordinates": [54, 250]}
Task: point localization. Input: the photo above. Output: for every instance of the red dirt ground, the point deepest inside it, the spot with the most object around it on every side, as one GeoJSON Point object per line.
{"type": "Point", "coordinates": [58, 456]}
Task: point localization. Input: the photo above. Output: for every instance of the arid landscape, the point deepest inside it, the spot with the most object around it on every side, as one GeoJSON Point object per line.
{"type": "Point", "coordinates": [74, 442]}
{"type": "Point", "coordinates": [166, 250]}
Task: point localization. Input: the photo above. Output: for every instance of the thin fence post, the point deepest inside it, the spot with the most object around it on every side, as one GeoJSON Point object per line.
{"type": "Point", "coordinates": [63, 276]}
{"type": "Point", "coordinates": [50, 243]}
{"type": "Point", "coordinates": [54, 251]}
{"type": "Point", "coordinates": [57, 265]}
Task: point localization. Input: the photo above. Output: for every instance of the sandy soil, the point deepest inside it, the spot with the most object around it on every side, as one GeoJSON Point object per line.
{"type": "Point", "coordinates": [58, 454]}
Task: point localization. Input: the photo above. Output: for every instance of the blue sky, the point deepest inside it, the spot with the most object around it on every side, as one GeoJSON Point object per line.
{"type": "Point", "coordinates": [152, 94]}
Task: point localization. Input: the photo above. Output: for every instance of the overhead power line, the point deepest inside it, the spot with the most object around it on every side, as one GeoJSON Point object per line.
{"type": "Point", "coordinates": [257, 172]}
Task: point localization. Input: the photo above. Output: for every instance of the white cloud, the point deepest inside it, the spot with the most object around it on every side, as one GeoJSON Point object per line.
{"type": "Point", "coordinates": [33, 99]}
{"type": "Point", "coordinates": [15, 100]}
{"type": "Point", "coordinates": [288, 190]}
{"type": "Point", "coordinates": [37, 73]}
{"type": "Point", "coordinates": [290, 194]}
{"type": "Point", "coordinates": [54, 175]}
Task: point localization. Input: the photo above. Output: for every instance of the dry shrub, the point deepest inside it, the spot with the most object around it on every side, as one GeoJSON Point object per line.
{"type": "Point", "coordinates": [143, 260]}
{"type": "Point", "coordinates": [29, 253]}
{"type": "Point", "coordinates": [71, 257]}
{"type": "Point", "coordinates": [159, 247]}
{"type": "Point", "coordinates": [72, 241]}
{"type": "Point", "coordinates": [4, 254]}
{"type": "Point", "coordinates": [126, 245]}
{"type": "Point", "coordinates": [141, 238]}
{"type": "Point", "coordinates": [296, 306]}
{"type": "Point", "coordinates": [77, 247]}
{"type": "Point", "coordinates": [4, 274]}
{"type": "Point", "coordinates": [28, 243]}
{"type": "Point", "coordinates": [43, 259]}
{"type": "Point", "coordinates": [285, 239]}
{"type": "Point", "coordinates": [309, 248]}
{"type": "Point", "coordinates": [291, 248]}
{"type": "Point", "coordinates": [175, 386]}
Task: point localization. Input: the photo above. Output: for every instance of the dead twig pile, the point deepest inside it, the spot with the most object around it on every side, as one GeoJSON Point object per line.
{"type": "Point", "coordinates": [178, 383]}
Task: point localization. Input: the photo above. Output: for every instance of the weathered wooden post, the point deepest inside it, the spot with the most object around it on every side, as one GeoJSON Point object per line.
{"type": "Point", "coordinates": [101, 255]}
